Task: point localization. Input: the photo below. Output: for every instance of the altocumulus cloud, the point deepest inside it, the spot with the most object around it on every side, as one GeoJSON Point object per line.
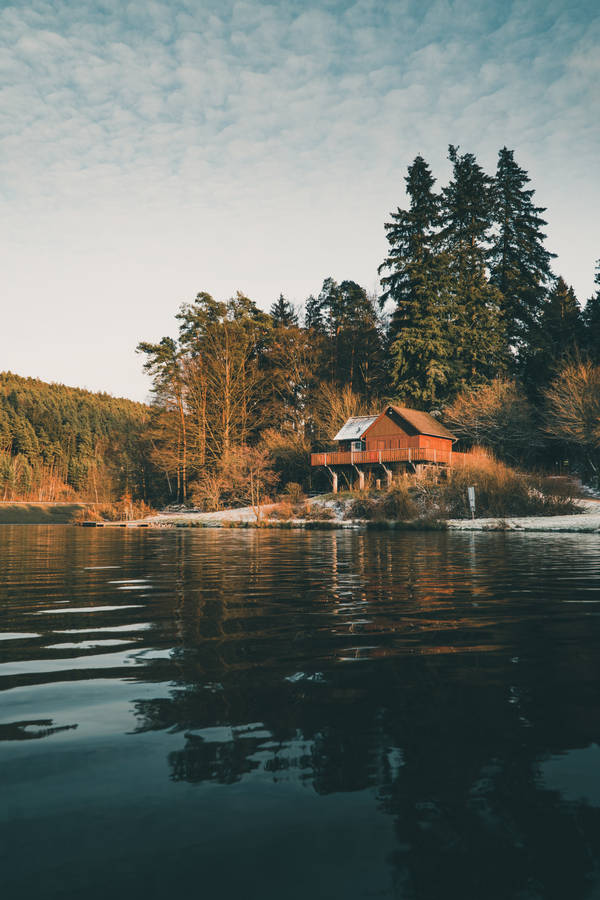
{"type": "Point", "coordinates": [153, 149]}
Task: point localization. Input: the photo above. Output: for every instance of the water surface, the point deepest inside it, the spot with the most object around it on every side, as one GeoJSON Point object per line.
{"type": "Point", "coordinates": [224, 713]}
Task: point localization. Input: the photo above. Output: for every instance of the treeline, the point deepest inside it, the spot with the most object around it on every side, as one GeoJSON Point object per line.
{"type": "Point", "coordinates": [471, 288]}
{"type": "Point", "coordinates": [472, 324]}
{"type": "Point", "coordinates": [470, 310]}
{"type": "Point", "coordinates": [58, 443]}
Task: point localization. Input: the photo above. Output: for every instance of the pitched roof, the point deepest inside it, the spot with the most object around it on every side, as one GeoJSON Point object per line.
{"type": "Point", "coordinates": [354, 428]}
{"type": "Point", "coordinates": [423, 423]}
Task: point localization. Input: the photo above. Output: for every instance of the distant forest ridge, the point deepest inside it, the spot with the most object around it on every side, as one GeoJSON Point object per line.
{"type": "Point", "coordinates": [58, 443]}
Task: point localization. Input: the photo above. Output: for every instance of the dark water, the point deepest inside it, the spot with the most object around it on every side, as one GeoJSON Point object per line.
{"type": "Point", "coordinates": [237, 714]}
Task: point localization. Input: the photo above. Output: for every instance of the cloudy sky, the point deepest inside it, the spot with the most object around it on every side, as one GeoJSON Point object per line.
{"type": "Point", "coordinates": [153, 149]}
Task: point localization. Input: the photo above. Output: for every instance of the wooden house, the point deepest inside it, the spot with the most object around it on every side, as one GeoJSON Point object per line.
{"type": "Point", "coordinates": [397, 438]}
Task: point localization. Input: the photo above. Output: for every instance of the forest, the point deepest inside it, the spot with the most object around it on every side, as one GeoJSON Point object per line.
{"type": "Point", "coordinates": [60, 443]}
{"type": "Point", "coordinates": [472, 324]}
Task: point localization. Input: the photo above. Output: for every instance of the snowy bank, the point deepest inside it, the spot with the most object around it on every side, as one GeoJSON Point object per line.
{"type": "Point", "coordinates": [588, 520]}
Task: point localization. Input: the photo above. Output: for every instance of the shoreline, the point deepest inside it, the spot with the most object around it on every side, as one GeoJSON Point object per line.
{"type": "Point", "coordinates": [585, 522]}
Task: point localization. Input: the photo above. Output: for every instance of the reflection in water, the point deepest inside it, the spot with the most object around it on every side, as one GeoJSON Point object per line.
{"type": "Point", "coordinates": [391, 715]}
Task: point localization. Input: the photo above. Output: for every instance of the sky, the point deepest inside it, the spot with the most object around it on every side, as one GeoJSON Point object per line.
{"type": "Point", "coordinates": [150, 150]}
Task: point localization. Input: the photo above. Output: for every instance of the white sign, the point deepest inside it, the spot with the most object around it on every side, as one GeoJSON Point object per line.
{"type": "Point", "coordinates": [471, 495]}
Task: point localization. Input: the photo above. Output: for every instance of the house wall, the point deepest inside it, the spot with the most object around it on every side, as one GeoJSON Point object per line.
{"type": "Point", "coordinates": [434, 443]}
{"type": "Point", "coordinates": [386, 434]}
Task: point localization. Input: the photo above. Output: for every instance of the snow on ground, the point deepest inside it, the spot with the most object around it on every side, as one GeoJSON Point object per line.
{"type": "Point", "coordinates": [587, 521]}
{"type": "Point", "coordinates": [242, 514]}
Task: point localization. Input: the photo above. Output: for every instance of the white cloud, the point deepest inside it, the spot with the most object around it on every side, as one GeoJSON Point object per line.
{"type": "Point", "coordinates": [153, 149]}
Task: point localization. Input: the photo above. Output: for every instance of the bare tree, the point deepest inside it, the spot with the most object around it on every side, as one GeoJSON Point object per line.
{"type": "Point", "coordinates": [573, 410]}
{"type": "Point", "coordinates": [243, 478]}
{"type": "Point", "coordinates": [495, 415]}
{"type": "Point", "coordinates": [333, 406]}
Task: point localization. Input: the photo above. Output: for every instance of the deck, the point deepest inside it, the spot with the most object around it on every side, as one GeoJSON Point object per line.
{"type": "Point", "coordinates": [411, 455]}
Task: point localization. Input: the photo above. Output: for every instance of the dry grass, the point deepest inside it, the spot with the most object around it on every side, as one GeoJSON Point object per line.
{"type": "Point", "coordinates": [114, 512]}
{"type": "Point", "coordinates": [499, 491]}
{"type": "Point", "coordinates": [286, 510]}
{"type": "Point", "coordinates": [294, 492]}
{"type": "Point", "coordinates": [442, 494]}
{"type": "Point", "coordinates": [397, 504]}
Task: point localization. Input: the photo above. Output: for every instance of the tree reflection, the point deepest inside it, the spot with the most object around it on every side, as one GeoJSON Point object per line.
{"type": "Point", "coordinates": [451, 760]}
{"type": "Point", "coordinates": [437, 672]}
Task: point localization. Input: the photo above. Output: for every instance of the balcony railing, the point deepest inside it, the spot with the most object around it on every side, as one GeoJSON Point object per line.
{"type": "Point", "coordinates": [401, 454]}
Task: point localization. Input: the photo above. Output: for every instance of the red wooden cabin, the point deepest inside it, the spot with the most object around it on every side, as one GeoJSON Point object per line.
{"type": "Point", "coordinates": [399, 436]}
{"type": "Point", "coordinates": [394, 428]}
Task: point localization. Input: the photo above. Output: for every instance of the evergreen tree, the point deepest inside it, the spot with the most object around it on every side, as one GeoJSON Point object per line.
{"type": "Point", "coordinates": [283, 313]}
{"type": "Point", "coordinates": [409, 235]}
{"type": "Point", "coordinates": [557, 337]}
{"type": "Point", "coordinates": [519, 263]}
{"type": "Point", "coordinates": [313, 318]}
{"type": "Point", "coordinates": [419, 286]}
{"type": "Point", "coordinates": [359, 340]}
{"type": "Point", "coordinates": [561, 320]}
{"type": "Point", "coordinates": [591, 322]}
{"type": "Point", "coordinates": [350, 337]}
{"type": "Point", "coordinates": [466, 215]}
{"type": "Point", "coordinates": [196, 318]}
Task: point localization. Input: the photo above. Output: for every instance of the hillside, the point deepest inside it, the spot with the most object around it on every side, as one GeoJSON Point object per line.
{"type": "Point", "coordinates": [63, 443]}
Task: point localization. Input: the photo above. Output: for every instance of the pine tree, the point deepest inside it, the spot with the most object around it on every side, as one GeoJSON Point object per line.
{"type": "Point", "coordinates": [283, 313]}
{"type": "Point", "coordinates": [409, 235]}
{"type": "Point", "coordinates": [466, 213]}
{"type": "Point", "coordinates": [561, 320]}
{"type": "Point", "coordinates": [419, 286]}
{"type": "Point", "coordinates": [466, 216]}
{"type": "Point", "coordinates": [591, 322]}
{"type": "Point", "coordinates": [359, 340]}
{"type": "Point", "coordinates": [313, 318]}
{"type": "Point", "coordinates": [557, 337]}
{"type": "Point", "coordinates": [351, 341]}
{"type": "Point", "coordinates": [519, 263]}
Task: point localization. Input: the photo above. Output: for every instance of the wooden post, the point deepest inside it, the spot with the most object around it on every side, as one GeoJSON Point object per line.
{"type": "Point", "coordinates": [388, 473]}
{"type": "Point", "coordinates": [361, 479]}
{"type": "Point", "coordinates": [334, 479]}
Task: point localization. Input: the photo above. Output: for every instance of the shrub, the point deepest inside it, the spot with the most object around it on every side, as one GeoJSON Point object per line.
{"type": "Point", "coordinates": [361, 508]}
{"type": "Point", "coordinates": [243, 478]}
{"type": "Point", "coordinates": [393, 505]}
{"type": "Point", "coordinates": [290, 454]}
{"type": "Point", "coordinates": [294, 492]}
{"type": "Point", "coordinates": [396, 503]}
{"type": "Point", "coordinates": [281, 511]}
{"type": "Point", "coordinates": [316, 512]}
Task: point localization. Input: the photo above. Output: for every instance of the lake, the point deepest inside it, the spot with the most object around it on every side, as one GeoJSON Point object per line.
{"type": "Point", "coordinates": [293, 714]}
